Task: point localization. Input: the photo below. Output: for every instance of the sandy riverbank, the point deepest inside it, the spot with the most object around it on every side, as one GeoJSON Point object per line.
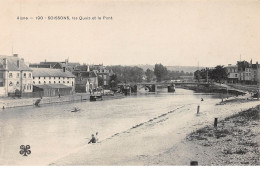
{"type": "Point", "coordinates": [159, 141]}
{"type": "Point", "coordinates": [235, 141]}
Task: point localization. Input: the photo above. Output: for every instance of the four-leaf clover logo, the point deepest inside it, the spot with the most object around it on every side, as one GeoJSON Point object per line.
{"type": "Point", "coordinates": [25, 150]}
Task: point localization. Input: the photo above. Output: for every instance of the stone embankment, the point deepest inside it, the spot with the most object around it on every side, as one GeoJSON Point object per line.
{"type": "Point", "coordinates": [20, 102]}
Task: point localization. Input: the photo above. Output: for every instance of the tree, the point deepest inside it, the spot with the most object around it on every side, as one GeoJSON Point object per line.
{"type": "Point", "coordinates": [219, 73]}
{"type": "Point", "coordinates": [136, 74]}
{"type": "Point", "coordinates": [100, 81]}
{"type": "Point", "coordinates": [128, 73]}
{"type": "Point", "coordinates": [197, 75]}
{"type": "Point", "coordinates": [160, 72]}
{"type": "Point", "coordinates": [149, 75]}
{"type": "Point", "coordinates": [113, 81]}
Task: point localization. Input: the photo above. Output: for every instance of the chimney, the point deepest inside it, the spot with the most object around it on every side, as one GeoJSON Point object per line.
{"type": "Point", "coordinates": [5, 63]}
{"type": "Point", "coordinates": [64, 69]}
{"type": "Point", "coordinates": [15, 55]}
{"type": "Point", "coordinates": [18, 63]}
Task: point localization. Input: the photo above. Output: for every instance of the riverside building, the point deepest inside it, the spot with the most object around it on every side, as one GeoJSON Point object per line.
{"type": "Point", "coordinates": [53, 82]}
{"type": "Point", "coordinates": [15, 76]}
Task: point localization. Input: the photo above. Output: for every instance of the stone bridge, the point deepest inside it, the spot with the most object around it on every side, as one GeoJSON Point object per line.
{"type": "Point", "coordinates": [152, 87]}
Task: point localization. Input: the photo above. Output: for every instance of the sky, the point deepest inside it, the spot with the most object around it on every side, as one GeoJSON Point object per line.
{"type": "Point", "coordinates": [171, 32]}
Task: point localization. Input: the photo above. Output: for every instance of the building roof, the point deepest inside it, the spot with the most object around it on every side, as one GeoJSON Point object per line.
{"type": "Point", "coordinates": [231, 66]}
{"type": "Point", "coordinates": [255, 66]}
{"type": "Point", "coordinates": [49, 86]}
{"type": "Point", "coordinates": [81, 68]}
{"type": "Point", "coordinates": [69, 64]}
{"type": "Point", "coordinates": [39, 65]}
{"type": "Point", "coordinates": [37, 72]}
{"type": "Point", "coordinates": [97, 67]}
{"type": "Point", "coordinates": [12, 64]}
{"type": "Point", "coordinates": [49, 63]}
{"type": "Point", "coordinates": [85, 74]}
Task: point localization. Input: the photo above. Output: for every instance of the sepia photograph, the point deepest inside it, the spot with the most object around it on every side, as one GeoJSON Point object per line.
{"type": "Point", "coordinates": [130, 83]}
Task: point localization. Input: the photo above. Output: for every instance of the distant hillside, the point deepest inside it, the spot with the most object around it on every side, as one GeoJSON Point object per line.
{"type": "Point", "coordinates": [173, 68]}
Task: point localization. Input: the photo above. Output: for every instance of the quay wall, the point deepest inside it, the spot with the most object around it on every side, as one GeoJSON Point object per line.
{"type": "Point", "coordinates": [20, 102]}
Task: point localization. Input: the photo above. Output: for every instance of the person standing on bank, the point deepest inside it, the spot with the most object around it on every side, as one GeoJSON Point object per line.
{"type": "Point", "coordinates": [96, 136]}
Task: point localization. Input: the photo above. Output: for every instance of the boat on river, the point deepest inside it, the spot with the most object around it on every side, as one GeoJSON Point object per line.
{"type": "Point", "coordinates": [75, 110]}
{"type": "Point", "coordinates": [95, 98]}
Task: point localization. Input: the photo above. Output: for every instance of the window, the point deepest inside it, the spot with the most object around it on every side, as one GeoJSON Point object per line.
{"type": "Point", "coordinates": [33, 82]}
{"type": "Point", "coordinates": [44, 82]}
{"type": "Point", "coordinates": [24, 87]}
{"type": "Point", "coordinates": [17, 83]}
{"type": "Point", "coordinates": [43, 77]}
{"type": "Point", "coordinates": [30, 75]}
{"type": "Point", "coordinates": [30, 86]}
{"type": "Point", "coordinates": [24, 75]}
{"type": "Point", "coordinates": [1, 84]}
{"type": "Point", "coordinates": [72, 83]}
{"type": "Point", "coordinates": [59, 77]}
{"type": "Point", "coordinates": [33, 77]}
{"type": "Point", "coordinates": [54, 82]}
{"type": "Point", "coordinates": [63, 81]}
{"type": "Point", "coordinates": [235, 75]}
{"type": "Point", "coordinates": [10, 83]}
{"type": "Point", "coordinates": [59, 81]}
{"type": "Point", "coordinates": [39, 82]}
{"type": "Point", "coordinates": [27, 87]}
{"type": "Point", "coordinates": [68, 82]}
{"type": "Point", "coordinates": [49, 82]}
{"type": "Point", "coordinates": [17, 75]}
{"type": "Point", "coordinates": [49, 77]}
{"type": "Point", "coordinates": [39, 77]}
{"type": "Point", "coordinates": [1, 75]}
{"type": "Point", "coordinates": [10, 75]}
{"type": "Point", "coordinates": [63, 77]}
{"type": "Point", "coordinates": [54, 77]}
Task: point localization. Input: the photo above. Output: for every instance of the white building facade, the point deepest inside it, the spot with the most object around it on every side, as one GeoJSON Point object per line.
{"type": "Point", "coordinates": [15, 76]}
{"type": "Point", "coordinates": [42, 76]}
{"type": "Point", "coordinates": [233, 75]}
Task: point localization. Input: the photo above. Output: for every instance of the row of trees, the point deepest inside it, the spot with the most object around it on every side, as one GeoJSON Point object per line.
{"type": "Point", "coordinates": [217, 74]}
{"type": "Point", "coordinates": [161, 73]}
{"type": "Point", "coordinates": [126, 74]}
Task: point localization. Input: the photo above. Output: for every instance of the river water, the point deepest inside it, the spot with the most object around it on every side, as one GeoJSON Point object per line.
{"type": "Point", "coordinates": [53, 131]}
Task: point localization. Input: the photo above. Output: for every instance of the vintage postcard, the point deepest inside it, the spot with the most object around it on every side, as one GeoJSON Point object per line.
{"type": "Point", "coordinates": [129, 83]}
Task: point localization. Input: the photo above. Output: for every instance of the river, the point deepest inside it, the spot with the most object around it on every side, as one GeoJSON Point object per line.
{"type": "Point", "coordinates": [53, 131]}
